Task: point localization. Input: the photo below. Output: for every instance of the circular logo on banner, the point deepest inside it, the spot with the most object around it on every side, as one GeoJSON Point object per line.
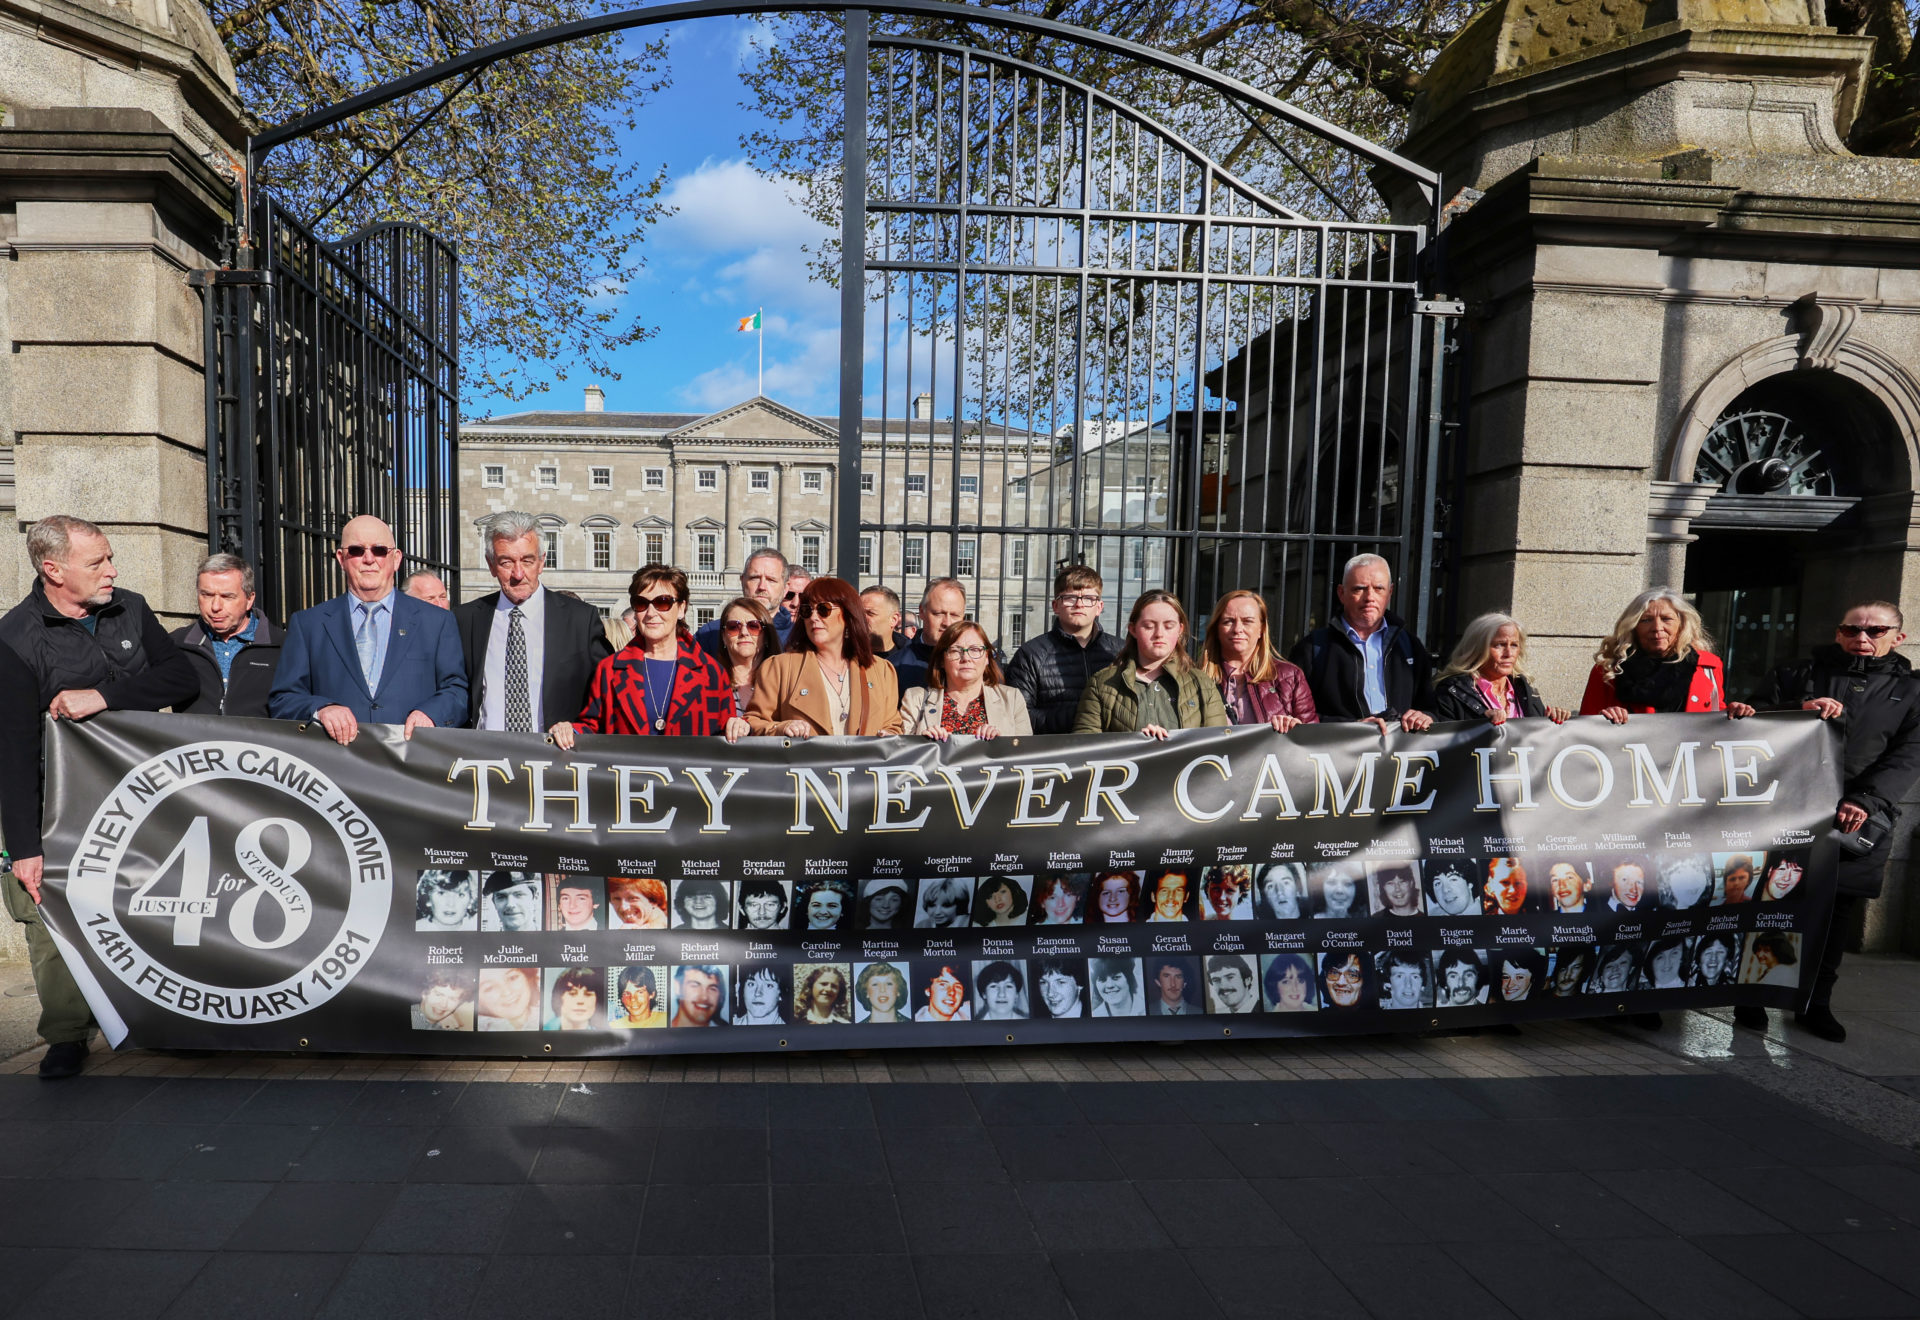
{"type": "Point", "coordinates": [209, 880]}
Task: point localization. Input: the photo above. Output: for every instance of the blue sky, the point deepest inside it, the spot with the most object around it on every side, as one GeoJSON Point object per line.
{"type": "Point", "coordinates": [735, 243]}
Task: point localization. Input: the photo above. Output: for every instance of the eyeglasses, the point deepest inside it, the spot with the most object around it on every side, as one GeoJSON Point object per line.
{"type": "Point", "coordinates": [1078, 602]}
{"type": "Point", "coordinates": [820, 609]}
{"type": "Point", "coordinates": [659, 604]}
{"type": "Point", "coordinates": [968, 652]}
{"type": "Point", "coordinates": [738, 626]}
{"type": "Point", "coordinates": [1873, 630]}
{"type": "Point", "coordinates": [791, 595]}
{"type": "Point", "coordinates": [367, 551]}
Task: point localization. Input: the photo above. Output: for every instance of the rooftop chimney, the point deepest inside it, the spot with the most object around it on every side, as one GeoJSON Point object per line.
{"type": "Point", "coordinates": [923, 406]}
{"type": "Point", "coordinates": [596, 399]}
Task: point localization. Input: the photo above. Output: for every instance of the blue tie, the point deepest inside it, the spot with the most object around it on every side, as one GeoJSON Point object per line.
{"type": "Point", "coordinates": [366, 640]}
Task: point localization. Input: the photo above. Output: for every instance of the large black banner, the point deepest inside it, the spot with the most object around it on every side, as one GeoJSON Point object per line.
{"type": "Point", "coordinates": [244, 884]}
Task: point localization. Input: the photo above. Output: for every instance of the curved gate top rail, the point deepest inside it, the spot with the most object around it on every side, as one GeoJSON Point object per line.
{"type": "Point", "coordinates": [654, 15]}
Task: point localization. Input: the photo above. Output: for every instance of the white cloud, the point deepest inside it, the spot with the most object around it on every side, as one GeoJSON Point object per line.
{"type": "Point", "coordinates": [727, 205]}
{"type": "Point", "coordinates": [802, 371]}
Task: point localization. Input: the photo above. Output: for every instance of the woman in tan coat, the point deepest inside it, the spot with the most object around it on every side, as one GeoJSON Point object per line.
{"type": "Point", "coordinates": [966, 693]}
{"type": "Point", "coordinates": [828, 682]}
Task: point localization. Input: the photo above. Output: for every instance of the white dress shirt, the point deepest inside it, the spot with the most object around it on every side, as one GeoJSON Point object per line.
{"type": "Point", "coordinates": [533, 625]}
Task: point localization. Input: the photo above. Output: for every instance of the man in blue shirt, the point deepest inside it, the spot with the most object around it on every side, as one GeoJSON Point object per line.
{"type": "Point", "coordinates": [1365, 665]}
{"type": "Point", "coordinates": [764, 579]}
{"type": "Point", "coordinates": [374, 655]}
{"type": "Point", "coordinates": [234, 650]}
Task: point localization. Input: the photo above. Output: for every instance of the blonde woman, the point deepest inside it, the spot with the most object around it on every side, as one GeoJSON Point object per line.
{"type": "Point", "coordinates": [1483, 681]}
{"type": "Point", "coordinates": [1153, 688]}
{"type": "Point", "coordinates": [1257, 686]}
{"type": "Point", "coordinates": [1658, 661]}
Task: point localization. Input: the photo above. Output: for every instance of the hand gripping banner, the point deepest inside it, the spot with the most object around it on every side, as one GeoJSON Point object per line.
{"type": "Point", "coordinates": [245, 884]}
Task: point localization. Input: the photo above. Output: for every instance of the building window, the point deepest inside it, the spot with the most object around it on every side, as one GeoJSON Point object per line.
{"type": "Point", "coordinates": [604, 611]}
{"type": "Point", "coordinates": [656, 547]}
{"type": "Point", "coordinates": [1140, 558]}
{"type": "Point", "coordinates": [600, 478]}
{"type": "Point", "coordinates": [1017, 486]}
{"type": "Point", "coordinates": [493, 474]}
{"type": "Point", "coordinates": [603, 549]}
{"type": "Point", "coordinates": [706, 557]}
{"type": "Point", "coordinates": [706, 479]}
{"type": "Point", "coordinates": [810, 553]}
{"type": "Point", "coordinates": [866, 483]}
{"type": "Point", "coordinates": [702, 614]}
{"type": "Point", "coordinates": [655, 479]}
{"type": "Point", "coordinates": [916, 483]}
{"type": "Point", "coordinates": [548, 476]}
{"type": "Point", "coordinates": [913, 556]}
{"type": "Point", "coordinates": [970, 485]}
{"type": "Point", "coordinates": [1017, 558]}
{"type": "Point", "coordinates": [866, 557]}
{"type": "Point", "coordinates": [1016, 628]}
{"type": "Point", "coordinates": [758, 541]}
{"type": "Point", "coordinates": [759, 479]}
{"type": "Point", "coordinates": [550, 543]}
{"type": "Point", "coordinates": [966, 552]}
{"type": "Point", "coordinates": [812, 481]}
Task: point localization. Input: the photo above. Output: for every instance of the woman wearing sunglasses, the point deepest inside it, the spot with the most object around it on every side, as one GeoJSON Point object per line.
{"type": "Point", "coordinates": [747, 641]}
{"type": "Point", "coordinates": [660, 682]}
{"type": "Point", "coordinates": [967, 694]}
{"type": "Point", "coordinates": [829, 681]}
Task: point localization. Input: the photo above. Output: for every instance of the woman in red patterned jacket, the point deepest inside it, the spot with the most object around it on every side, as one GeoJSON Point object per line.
{"type": "Point", "coordinates": [1257, 685]}
{"type": "Point", "coordinates": [660, 682]}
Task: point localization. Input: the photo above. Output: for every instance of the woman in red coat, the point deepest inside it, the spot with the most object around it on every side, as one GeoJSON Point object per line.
{"type": "Point", "coordinates": [1657, 662]}
{"type": "Point", "coordinates": [660, 682]}
{"type": "Point", "coordinates": [1257, 685]}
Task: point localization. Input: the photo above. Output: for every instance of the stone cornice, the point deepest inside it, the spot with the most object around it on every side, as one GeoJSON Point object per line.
{"type": "Point", "coordinates": [63, 155]}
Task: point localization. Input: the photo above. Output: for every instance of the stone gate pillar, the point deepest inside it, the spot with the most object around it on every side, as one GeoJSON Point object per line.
{"type": "Point", "coordinates": [119, 121]}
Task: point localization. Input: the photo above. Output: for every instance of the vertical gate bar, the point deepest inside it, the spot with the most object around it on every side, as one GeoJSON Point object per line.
{"type": "Point", "coordinates": [963, 158]}
{"type": "Point", "coordinates": [853, 282]}
{"type": "Point", "coordinates": [1436, 380]}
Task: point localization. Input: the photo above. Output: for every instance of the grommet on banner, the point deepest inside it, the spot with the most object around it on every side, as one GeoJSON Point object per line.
{"type": "Point", "coordinates": [1009, 1038]}
{"type": "Point", "coordinates": [547, 1048]}
{"type": "Point", "coordinates": [783, 1044]}
{"type": "Point", "coordinates": [1226, 1031]}
{"type": "Point", "coordinates": [303, 1042]}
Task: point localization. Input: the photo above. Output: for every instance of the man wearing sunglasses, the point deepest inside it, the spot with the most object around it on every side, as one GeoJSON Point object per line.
{"type": "Point", "coordinates": [765, 579]}
{"type": "Point", "coordinates": [1870, 688]}
{"type": "Point", "coordinates": [374, 655]}
{"type": "Point", "coordinates": [530, 653]}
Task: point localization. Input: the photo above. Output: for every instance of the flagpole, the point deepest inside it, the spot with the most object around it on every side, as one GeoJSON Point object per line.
{"type": "Point", "coordinates": [760, 325]}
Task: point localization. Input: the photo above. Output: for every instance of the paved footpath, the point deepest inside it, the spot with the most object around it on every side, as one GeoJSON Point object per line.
{"type": "Point", "coordinates": [1574, 1170]}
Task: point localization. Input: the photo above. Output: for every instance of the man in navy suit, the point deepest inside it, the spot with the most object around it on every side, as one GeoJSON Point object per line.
{"type": "Point", "coordinates": [373, 654]}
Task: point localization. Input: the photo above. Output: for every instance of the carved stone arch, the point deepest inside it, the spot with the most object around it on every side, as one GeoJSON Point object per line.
{"type": "Point", "coordinates": [1873, 369]}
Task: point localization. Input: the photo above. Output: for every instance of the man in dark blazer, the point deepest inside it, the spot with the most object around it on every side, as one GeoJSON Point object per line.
{"type": "Point", "coordinates": [374, 655]}
{"type": "Point", "coordinates": [530, 653]}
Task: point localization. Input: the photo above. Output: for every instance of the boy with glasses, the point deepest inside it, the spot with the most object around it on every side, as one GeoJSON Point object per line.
{"type": "Point", "coordinates": [1862, 680]}
{"type": "Point", "coordinates": [1052, 670]}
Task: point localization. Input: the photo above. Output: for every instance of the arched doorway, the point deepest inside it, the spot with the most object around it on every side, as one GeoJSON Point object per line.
{"type": "Point", "coordinates": [1813, 501]}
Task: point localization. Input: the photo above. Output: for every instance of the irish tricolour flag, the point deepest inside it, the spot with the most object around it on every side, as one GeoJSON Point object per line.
{"type": "Point", "coordinates": [749, 322]}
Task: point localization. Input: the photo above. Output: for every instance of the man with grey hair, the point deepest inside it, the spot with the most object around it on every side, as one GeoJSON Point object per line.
{"type": "Point", "coordinates": [428, 587]}
{"type": "Point", "coordinates": [530, 652]}
{"type": "Point", "coordinates": [232, 647]}
{"type": "Point", "coordinates": [767, 578]}
{"type": "Point", "coordinates": [943, 604]}
{"type": "Point", "coordinates": [89, 646]}
{"type": "Point", "coordinates": [1365, 665]}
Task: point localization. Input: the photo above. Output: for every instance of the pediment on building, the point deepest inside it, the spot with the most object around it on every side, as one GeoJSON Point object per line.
{"type": "Point", "coordinates": [759, 418]}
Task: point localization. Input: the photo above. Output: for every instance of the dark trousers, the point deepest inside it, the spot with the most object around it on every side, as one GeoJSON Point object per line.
{"type": "Point", "coordinates": [1846, 908]}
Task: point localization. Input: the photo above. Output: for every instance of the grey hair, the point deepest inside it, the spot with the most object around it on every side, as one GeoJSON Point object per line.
{"type": "Point", "coordinates": [228, 564]}
{"type": "Point", "coordinates": [508, 526]}
{"type": "Point", "coordinates": [1368, 560]}
{"type": "Point", "coordinates": [52, 538]}
{"type": "Point", "coordinates": [765, 552]}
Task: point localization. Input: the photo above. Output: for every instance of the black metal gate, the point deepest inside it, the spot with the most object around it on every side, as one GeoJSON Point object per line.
{"type": "Point", "coordinates": [332, 390]}
{"type": "Point", "coordinates": [1097, 345]}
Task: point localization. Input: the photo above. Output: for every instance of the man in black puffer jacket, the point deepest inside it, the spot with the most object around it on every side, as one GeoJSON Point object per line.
{"type": "Point", "coordinates": [89, 647]}
{"type": "Point", "coordinates": [1874, 693]}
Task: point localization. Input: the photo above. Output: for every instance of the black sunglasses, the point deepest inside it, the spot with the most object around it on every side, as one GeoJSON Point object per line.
{"type": "Point", "coordinates": [820, 609]}
{"type": "Point", "coordinates": [1873, 630]}
{"type": "Point", "coordinates": [370, 551]}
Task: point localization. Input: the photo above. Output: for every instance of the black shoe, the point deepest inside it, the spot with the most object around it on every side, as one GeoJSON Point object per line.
{"type": "Point", "coordinates": [1753, 1019]}
{"type": "Point", "coordinates": [1646, 1021]}
{"type": "Point", "coordinates": [63, 1060]}
{"type": "Point", "coordinates": [1819, 1019]}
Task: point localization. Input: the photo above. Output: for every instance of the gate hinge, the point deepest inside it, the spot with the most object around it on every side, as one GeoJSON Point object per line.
{"type": "Point", "coordinates": [1440, 307]}
{"type": "Point", "coordinates": [202, 279]}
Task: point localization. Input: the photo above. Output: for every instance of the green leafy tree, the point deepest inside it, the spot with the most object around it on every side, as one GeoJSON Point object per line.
{"type": "Point", "coordinates": [521, 169]}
